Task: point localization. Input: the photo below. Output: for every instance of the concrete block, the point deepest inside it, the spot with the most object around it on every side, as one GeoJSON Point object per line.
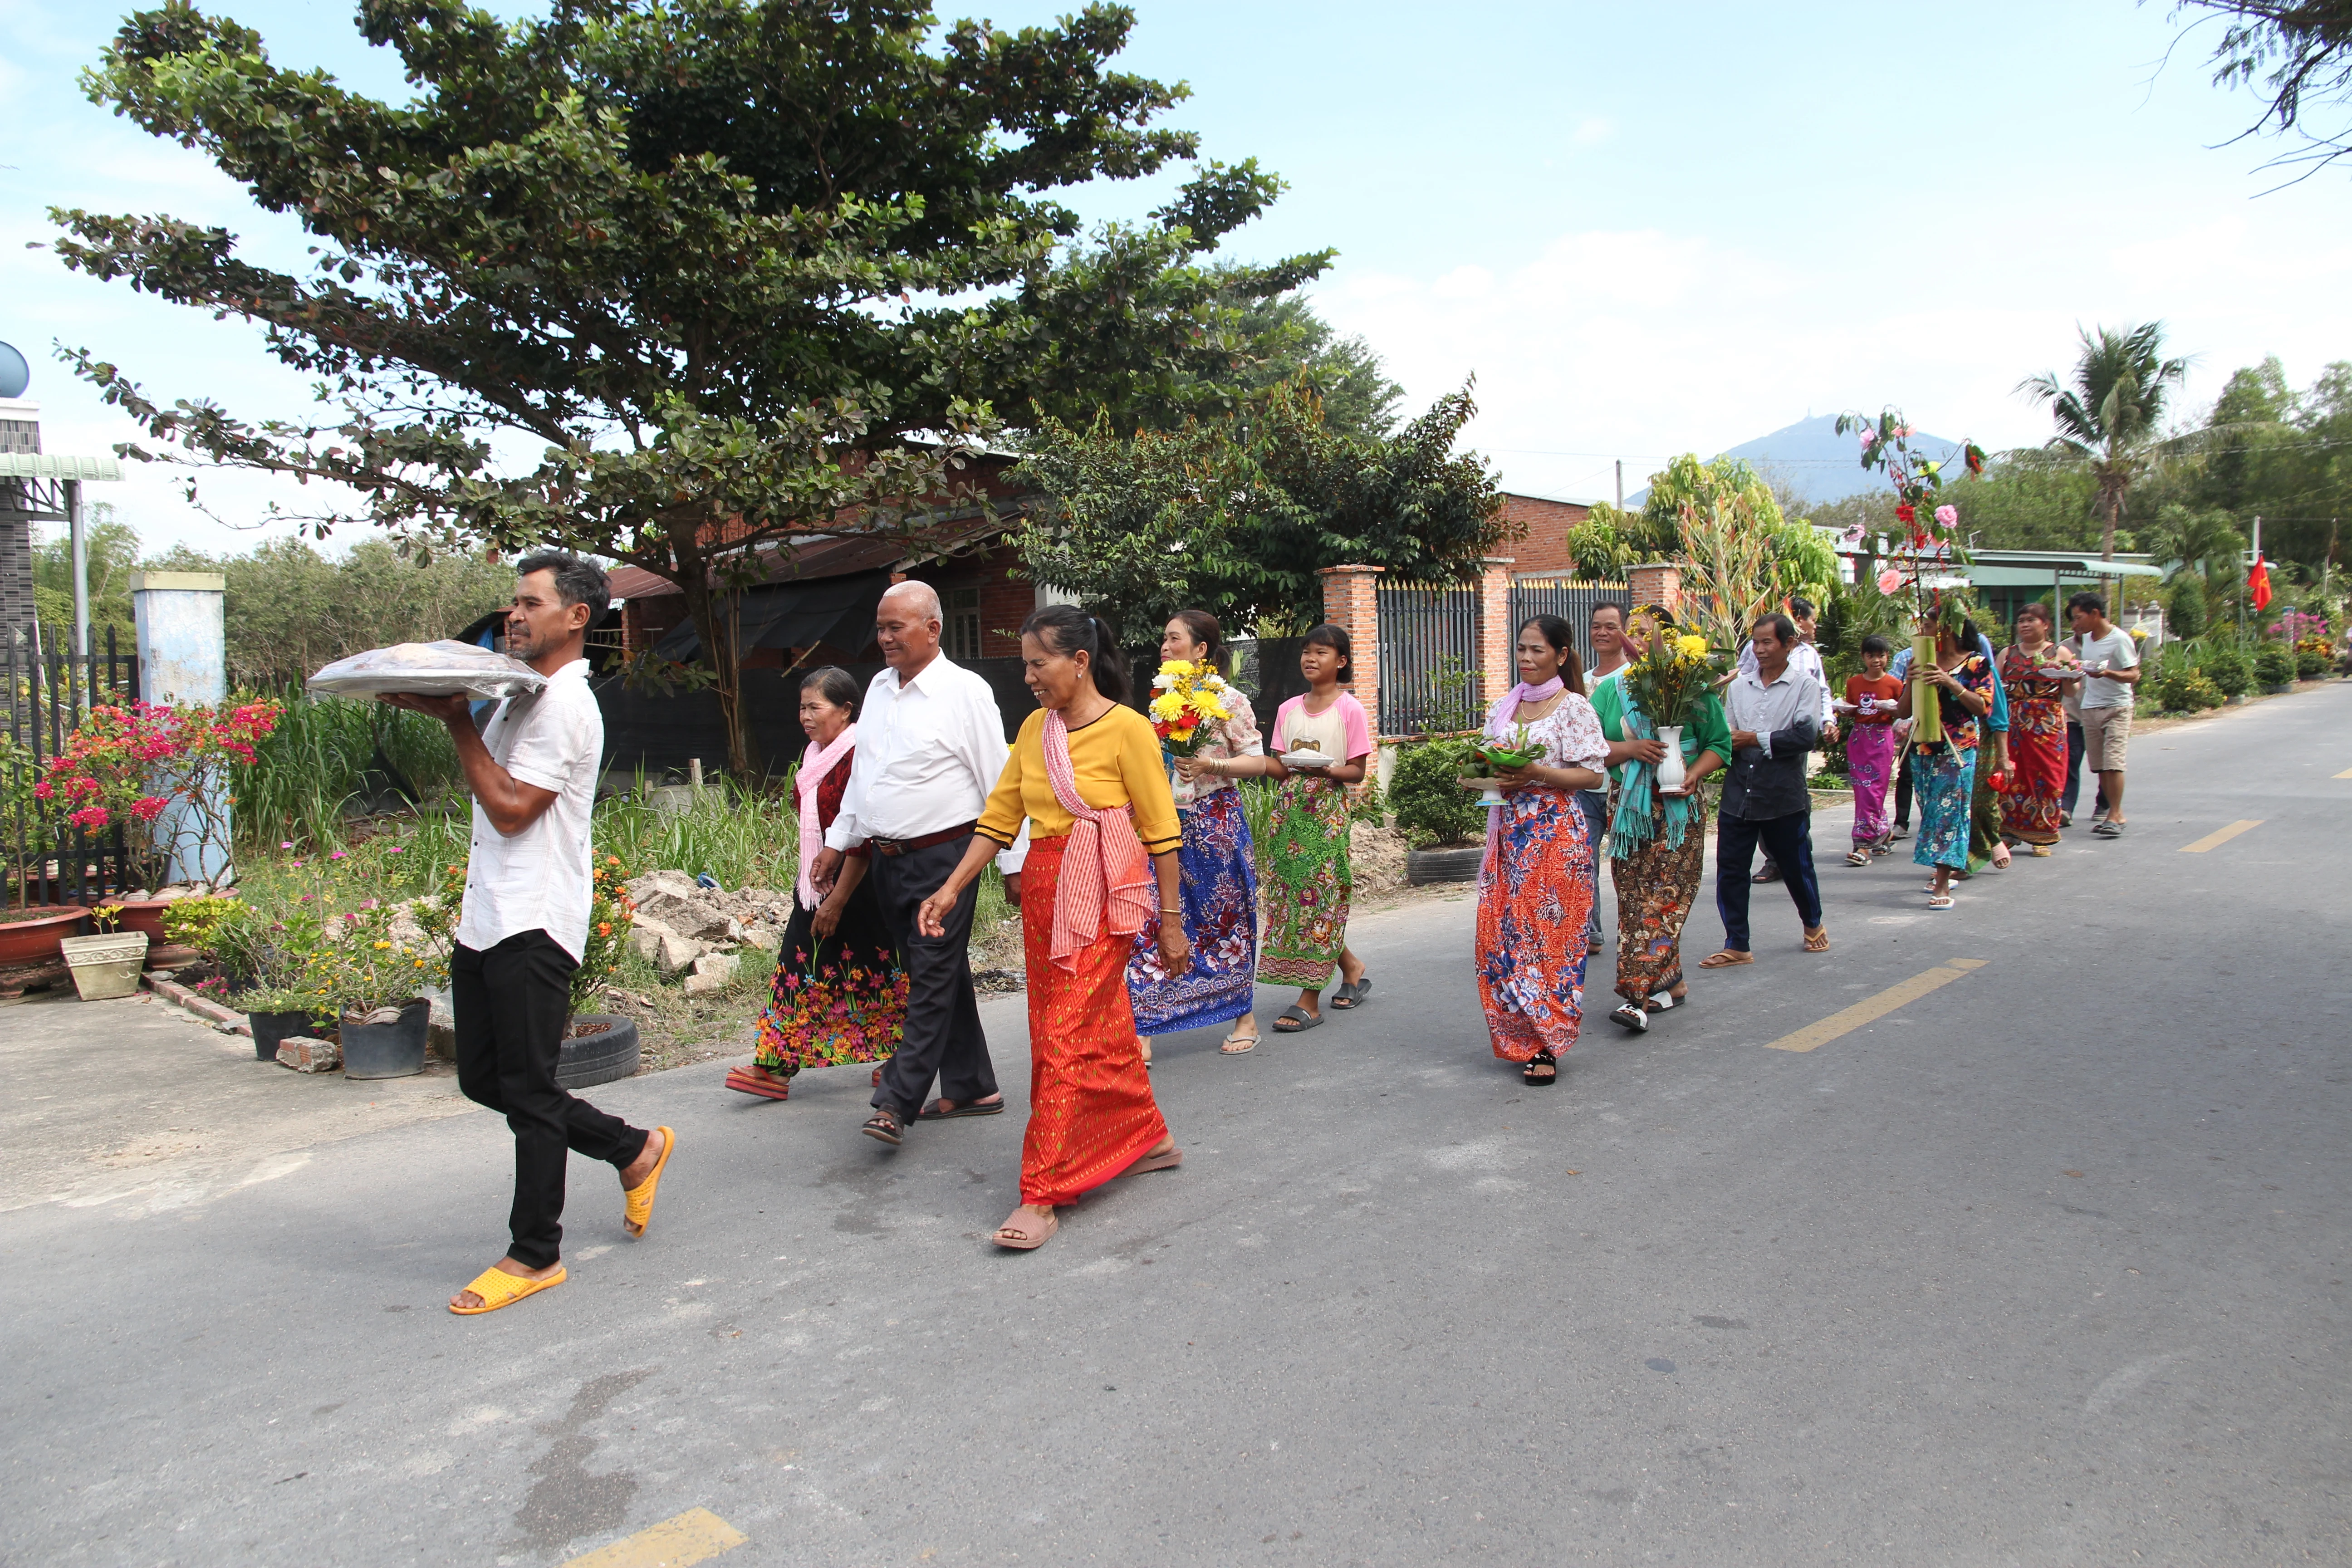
{"type": "Point", "coordinates": [675, 953]}
{"type": "Point", "coordinates": [310, 1056]}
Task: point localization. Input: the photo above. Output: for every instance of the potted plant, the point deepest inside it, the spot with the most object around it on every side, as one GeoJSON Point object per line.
{"type": "Point", "coordinates": [107, 965]}
{"type": "Point", "coordinates": [259, 981]}
{"type": "Point", "coordinates": [1664, 684]}
{"type": "Point", "coordinates": [1443, 824]}
{"type": "Point", "coordinates": [162, 774]}
{"type": "Point", "coordinates": [30, 935]}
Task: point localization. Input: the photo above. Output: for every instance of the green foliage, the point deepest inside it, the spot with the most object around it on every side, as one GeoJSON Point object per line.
{"type": "Point", "coordinates": [110, 553]}
{"type": "Point", "coordinates": [2228, 668]}
{"type": "Point", "coordinates": [713, 260]}
{"type": "Point", "coordinates": [1369, 804]}
{"type": "Point", "coordinates": [323, 755]}
{"type": "Point", "coordinates": [2184, 606]}
{"type": "Point", "coordinates": [2310, 665]}
{"type": "Point", "coordinates": [1238, 517]}
{"type": "Point", "coordinates": [2027, 500]}
{"type": "Point", "coordinates": [2109, 414]}
{"type": "Point", "coordinates": [2184, 690]}
{"type": "Point", "coordinates": [742, 838]}
{"type": "Point", "coordinates": [2275, 664]}
{"type": "Point", "coordinates": [1426, 796]}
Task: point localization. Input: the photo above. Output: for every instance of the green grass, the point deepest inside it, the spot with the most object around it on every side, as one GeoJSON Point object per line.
{"type": "Point", "coordinates": [310, 768]}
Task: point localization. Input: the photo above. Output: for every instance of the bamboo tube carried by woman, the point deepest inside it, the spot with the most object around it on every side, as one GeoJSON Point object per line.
{"type": "Point", "coordinates": [1220, 874]}
{"type": "Point", "coordinates": [1088, 775]}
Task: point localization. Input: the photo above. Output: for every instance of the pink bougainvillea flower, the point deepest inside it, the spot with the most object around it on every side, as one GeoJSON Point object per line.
{"type": "Point", "coordinates": [147, 808]}
{"type": "Point", "coordinates": [1889, 580]}
{"type": "Point", "coordinates": [287, 844]}
{"type": "Point", "coordinates": [1868, 438]}
{"type": "Point", "coordinates": [1947, 515]}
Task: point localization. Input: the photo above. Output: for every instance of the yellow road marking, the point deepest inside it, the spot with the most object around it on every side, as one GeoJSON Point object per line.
{"type": "Point", "coordinates": [1871, 1009]}
{"type": "Point", "coordinates": [2216, 839]}
{"type": "Point", "coordinates": [692, 1536]}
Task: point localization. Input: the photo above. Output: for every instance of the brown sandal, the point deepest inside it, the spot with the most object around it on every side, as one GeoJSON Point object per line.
{"type": "Point", "coordinates": [884, 1127]}
{"type": "Point", "coordinates": [1726, 958]}
{"type": "Point", "coordinates": [1024, 1240]}
{"type": "Point", "coordinates": [1167, 1160]}
{"type": "Point", "coordinates": [1818, 940]}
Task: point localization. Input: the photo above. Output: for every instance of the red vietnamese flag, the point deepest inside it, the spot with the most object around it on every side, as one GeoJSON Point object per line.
{"type": "Point", "coordinates": [2258, 585]}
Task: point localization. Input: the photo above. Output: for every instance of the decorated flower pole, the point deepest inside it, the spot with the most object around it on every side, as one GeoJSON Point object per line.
{"type": "Point", "coordinates": [1925, 565]}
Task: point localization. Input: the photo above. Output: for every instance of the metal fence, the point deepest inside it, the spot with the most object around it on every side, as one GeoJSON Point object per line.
{"type": "Point", "coordinates": [48, 691]}
{"type": "Point", "coordinates": [1428, 660]}
{"type": "Point", "coordinates": [1570, 598]}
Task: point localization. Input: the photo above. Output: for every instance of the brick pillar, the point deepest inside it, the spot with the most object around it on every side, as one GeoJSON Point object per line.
{"type": "Point", "coordinates": [1656, 583]}
{"type": "Point", "coordinates": [1497, 655]}
{"type": "Point", "coordinates": [1351, 603]}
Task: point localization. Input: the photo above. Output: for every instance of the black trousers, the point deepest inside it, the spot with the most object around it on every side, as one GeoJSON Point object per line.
{"type": "Point", "coordinates": [943, 1039]}
{"type": "Point", "coordinates": [1790, 841]}
{"type": "Point", "coordinates": [1903, 785]}
{"type": "Point", "coordinates": [512, 1002]}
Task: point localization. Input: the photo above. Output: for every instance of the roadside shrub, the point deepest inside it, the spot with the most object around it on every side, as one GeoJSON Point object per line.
{"type": "Point", "coordinates": [1424, 793]}
{"type": "Point", "coordinates": [2230, 671]}
{"type": "Point", "coordinates": [2182, 689]}
{"type": "Point", "coordinates": [2275, 664]}
{"type": "Point", "coordinates": [2184, 606]}
{"type": "Point", "coordinates": [2310, 664]}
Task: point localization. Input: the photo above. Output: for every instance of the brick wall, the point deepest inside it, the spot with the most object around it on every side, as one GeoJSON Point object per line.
{"type": "Point", "coordinates": [1543, 526]}
{"type": "Point", "coordinates": [1658, 583]}
{"type": "Point", "coordinates": [1498, 637]}
{"type": "Point", "coordinates": [1351, 603]}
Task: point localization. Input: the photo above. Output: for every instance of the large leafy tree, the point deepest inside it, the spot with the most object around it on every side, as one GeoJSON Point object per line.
{"type": "Point", "coordinates": [2297, 54]}
{"type": "Point", "coordinates": [714, 262]}
{"type": "Point", "coordinates": [1716, 500]}
{"type": "Point", "coordinates": [1238, 516]}
{"type": "Point", "coordinates": [2110, 413]}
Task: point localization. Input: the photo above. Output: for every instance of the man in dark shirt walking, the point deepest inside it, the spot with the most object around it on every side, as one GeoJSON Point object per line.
{"type": "Point", "coordinates": [1775, 714]}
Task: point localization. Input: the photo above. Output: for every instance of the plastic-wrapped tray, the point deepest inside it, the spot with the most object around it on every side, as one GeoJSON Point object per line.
{"type": "Point", "coordinates": [428, 669]}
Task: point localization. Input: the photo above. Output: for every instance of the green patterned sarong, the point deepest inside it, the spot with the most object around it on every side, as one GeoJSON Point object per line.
{"type": "Point", "coordinates": [1304, 883]}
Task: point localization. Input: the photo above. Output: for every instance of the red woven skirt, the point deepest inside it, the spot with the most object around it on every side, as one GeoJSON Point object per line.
{"type": "Point", "coordinates": [1091, 1114]}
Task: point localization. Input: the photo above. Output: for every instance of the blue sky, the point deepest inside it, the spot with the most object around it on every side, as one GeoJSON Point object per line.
{"type": "Point", "coordinates": [1645, 229]}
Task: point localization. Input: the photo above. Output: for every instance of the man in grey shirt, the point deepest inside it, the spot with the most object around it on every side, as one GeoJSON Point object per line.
{"type": "Point", "coordinates": [1775, 715]}
{"type": "Point", "coordinates": [2110, 668]}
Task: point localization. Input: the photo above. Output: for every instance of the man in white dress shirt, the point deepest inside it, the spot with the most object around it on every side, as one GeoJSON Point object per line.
{"type": "Point", "coordinates": [930, 745]}
{"type": "Point", "coordinates": [524, 922]}
{"type": "Point", "coordinates": [1803, 659]}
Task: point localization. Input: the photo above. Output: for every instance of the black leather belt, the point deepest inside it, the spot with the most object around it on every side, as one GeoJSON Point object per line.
{"type": "Point", "coordinates": [896, 847]}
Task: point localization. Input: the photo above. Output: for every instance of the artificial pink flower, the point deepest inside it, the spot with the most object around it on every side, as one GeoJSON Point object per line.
{"type": "Point", "coordinates": [1889, 580]}
{"type": "Point", "coordinates": [1947, 515]}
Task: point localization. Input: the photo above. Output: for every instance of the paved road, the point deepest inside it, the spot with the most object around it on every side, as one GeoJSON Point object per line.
{"type": "Point", "coordinates": [2045, 1267]}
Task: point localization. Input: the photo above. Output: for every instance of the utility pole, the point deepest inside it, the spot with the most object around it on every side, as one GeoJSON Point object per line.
{"type": "Point", "coordinates": [1621, 484]}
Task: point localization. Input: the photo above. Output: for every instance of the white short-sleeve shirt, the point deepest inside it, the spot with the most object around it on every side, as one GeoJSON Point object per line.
{"type": "Point", "coordinates": [538, 879]}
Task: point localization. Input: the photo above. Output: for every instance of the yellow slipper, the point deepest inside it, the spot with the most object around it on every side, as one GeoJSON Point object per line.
{"type": "Point", "coordinates": [496, 1288]}
{"type": "Point", "coordinates": [641, 1197]}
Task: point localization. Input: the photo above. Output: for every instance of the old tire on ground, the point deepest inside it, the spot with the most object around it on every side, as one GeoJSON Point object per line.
{"type": "Point", "coordinates": [1423, 867]}
{"type": "Point", "coordinates": [597, 1048]}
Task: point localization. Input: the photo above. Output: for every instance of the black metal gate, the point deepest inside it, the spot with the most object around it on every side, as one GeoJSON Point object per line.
{"type": "Point", "coordinates": [47, 693]}
{"type": "Point", "coordinates": [1570, 598]}
{"type": "Point", "coordinates": [1429, 660]}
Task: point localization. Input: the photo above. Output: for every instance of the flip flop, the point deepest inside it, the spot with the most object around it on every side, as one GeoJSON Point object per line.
{"type": "Point", "coordinates": [1351, 994]}
{"type": "Point", "coordinates": [1719, 960]}
{"type": "Point", "coordinates": [932, 1112]}
{"type": "Point", "coordinates": [1029, 1241]}
{"type": "Point", "coordinates": [496, 1288]}
{"type": "Point", "coordinates": [1825, 942]}
{"type": "Point", "coordinates": [639, 1199]}
{"type": "Point", "coordinates": [742, 1082]}
{"type": "Point", "coordinates": [1167, 1161]}
{"type": "Point", "coordinates": [1939, 901]}
{"type": "Point", "coordinates": [1238, 1045]}
{"type": "Point", "coordinates": [1296, 1021]}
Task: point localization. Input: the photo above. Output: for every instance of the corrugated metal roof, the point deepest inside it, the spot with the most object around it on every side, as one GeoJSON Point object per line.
{"type": "Point", "coordinates": [53, 466]}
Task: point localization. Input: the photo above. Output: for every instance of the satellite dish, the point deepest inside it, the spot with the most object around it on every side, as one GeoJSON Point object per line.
{"type": "Point", "coordinates": [14, 373]}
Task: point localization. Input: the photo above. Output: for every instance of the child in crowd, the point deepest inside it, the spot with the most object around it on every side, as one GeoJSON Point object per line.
{"type": "Point", "coordinates": [1871, 698]}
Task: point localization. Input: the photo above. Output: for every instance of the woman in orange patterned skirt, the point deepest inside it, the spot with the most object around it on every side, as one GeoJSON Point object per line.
{"type": "Point", "coordinates": [1088, 775]}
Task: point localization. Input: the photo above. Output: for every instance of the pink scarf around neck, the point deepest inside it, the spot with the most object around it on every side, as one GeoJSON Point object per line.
{"type": "Point", "coordinates": [814, 765]}
{"type": "Point", "coordinates": [1106, 877]}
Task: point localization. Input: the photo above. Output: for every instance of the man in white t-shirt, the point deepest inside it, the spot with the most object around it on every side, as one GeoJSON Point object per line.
{"type": "Point", "coordinates": [2110, 669]}
{"type": "Point", "coordinates": [524, 924]}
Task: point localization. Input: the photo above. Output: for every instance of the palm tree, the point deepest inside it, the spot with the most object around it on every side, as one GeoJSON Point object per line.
{"type": "Point", "coordinates": [2110, 420]}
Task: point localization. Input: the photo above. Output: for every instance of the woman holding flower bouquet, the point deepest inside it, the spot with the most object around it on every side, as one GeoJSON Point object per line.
{"type": "Point", "coordinates": [1536, 883]}
{"type": "Point", "coordinates": [1658, 841]}
{"type": "Point", "coordinates": [1194, 709]}
{"type": "Point", "coordinates": [839, 994]}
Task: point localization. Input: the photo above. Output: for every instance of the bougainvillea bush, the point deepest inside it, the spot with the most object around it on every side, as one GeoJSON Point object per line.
{"type": "Point", "coordinates": [162, 775]}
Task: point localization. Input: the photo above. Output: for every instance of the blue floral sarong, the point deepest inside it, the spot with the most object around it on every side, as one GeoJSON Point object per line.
{"type": "Point", "coordinates": [1219, 898]}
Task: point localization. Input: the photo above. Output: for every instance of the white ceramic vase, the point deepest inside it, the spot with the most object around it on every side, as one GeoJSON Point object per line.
{"type": "Point", "coordinates": [1670, 769]}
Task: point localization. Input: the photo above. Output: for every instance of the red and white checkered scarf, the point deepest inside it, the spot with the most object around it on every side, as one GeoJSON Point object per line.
{"type": "Point", "coordinates": [1106, 880]}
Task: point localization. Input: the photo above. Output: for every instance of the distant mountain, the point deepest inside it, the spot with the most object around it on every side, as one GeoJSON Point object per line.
{"type": "Point", "coordinates": [1812, 459]}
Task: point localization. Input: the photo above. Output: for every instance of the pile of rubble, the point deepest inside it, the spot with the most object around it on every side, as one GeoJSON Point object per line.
{"type": "Point", "coordinates": [685, 927]}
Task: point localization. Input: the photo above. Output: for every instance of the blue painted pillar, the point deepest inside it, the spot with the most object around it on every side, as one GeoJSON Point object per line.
{"type": "Point", "coordinates": [182, 639]}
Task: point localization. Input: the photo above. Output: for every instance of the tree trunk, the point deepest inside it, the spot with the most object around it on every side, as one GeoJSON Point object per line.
{"type": "Point", "coordinates": [2115, 499]}
{"type": "Point", "coordinates": [714, 616]}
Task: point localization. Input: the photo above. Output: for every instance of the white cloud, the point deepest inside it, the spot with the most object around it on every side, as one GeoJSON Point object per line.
{"type": "Point", "coordinates": [1592, 133]}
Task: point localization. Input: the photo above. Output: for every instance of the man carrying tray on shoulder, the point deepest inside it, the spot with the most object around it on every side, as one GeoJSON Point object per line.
{"type": "Point", "coordinates": [532, 771]}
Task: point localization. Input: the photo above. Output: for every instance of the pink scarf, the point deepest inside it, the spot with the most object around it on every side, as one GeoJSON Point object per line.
{"type": "Point", "coordinates": [804, 786]}
{"type": "Point", "coordinates": [1106, 878]}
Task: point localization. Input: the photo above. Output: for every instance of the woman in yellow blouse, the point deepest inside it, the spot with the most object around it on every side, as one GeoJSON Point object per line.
{"type": "Point", "coordinates": [1087, 775]}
